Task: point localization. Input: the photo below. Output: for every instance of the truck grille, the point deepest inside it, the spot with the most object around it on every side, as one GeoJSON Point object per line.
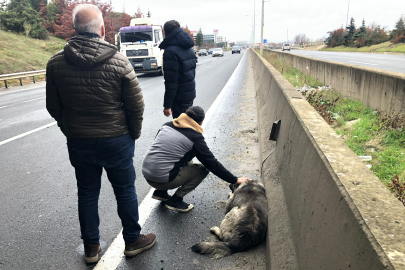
{"type": "Point", "coordinates": [141, 52]}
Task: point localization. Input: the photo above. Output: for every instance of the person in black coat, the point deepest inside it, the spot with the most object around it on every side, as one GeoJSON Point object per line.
{"type": "Point", "coordinates": [179, 64]}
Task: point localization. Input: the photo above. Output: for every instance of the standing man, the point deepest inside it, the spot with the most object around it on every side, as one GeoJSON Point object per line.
{"type": "Point", "coordinates": [94, 95]}
{"type": "Point", "coordinates": [179, 63]}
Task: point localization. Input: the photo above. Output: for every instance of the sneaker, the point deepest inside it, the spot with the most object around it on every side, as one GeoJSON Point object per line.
{"type": "Point", "coordinates": [91, 252]}
{"type": "Point", "coordinates": [176, 203]}
{"type": "Point", "coordinates": [143, 243]}
{"type": "Point", "coordinates": [161, 195]}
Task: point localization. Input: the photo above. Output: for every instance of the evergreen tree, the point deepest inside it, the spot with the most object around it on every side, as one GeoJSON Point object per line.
{"type": "Point", "coordinates": [199, 38]}
{"type": "Point", "coordinates": [398, 34]}
{"type": "Point", "coordinates": [363, 29]}
{"type": "Point", "coordinates": [400, 26]}
{"type": "Point", "coordinates": [350, 30]}
{"type": "Point", "coordinates": [19, 12]}
{"type": "Point", "coordinates": [359, 35]}
{"type": "Point", "coordinates": [35, 3]}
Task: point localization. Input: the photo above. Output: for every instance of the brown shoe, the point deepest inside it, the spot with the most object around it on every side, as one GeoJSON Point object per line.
{"type": "Point", "coordinates": [91, 252]}
{"type": "Point", "coordinates": [144, 242]}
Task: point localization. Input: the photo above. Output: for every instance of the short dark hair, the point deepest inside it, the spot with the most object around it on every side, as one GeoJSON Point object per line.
{"type": "Point", "coordinates": [170, 26]}
{"type": "Point", "coordinates": [196, 113]}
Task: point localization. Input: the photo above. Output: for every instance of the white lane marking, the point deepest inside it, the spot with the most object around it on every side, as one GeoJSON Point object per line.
{"type": "Point", "coordinates": [23, 102]}
{"type": "Point", "coordinates": [33, 99]}
{"type": "Point", "coordinates": [363, 63]}
{"type": "Point", "coordinates": [115, 252]}
{"type": "Point", "coordinates": [113, 256]}
{"type": "Point", "coordinates": [20, 90]}
{"type": "Point", "coordinates": [27, 133]}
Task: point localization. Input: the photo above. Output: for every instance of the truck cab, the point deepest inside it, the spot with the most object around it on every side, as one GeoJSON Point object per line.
{"type": "Point", "coordinates": [139, 42]}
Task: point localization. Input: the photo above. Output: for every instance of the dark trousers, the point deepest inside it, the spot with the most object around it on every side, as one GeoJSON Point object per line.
{"type": "Point", "coordinates": [189, 177]}
{"type": "Point", "coordinates": [89, 157]}
{"type": "Point", "coordinates": [179, 108]}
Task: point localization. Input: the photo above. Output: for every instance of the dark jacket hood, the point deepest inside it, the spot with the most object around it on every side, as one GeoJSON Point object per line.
{"type": "Point", "coordinates": [178, 37]}
{"type": "Point", "coordinates": [88, 51]}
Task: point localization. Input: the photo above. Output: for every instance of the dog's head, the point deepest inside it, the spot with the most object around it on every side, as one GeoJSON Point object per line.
{"type": "Point", "coordinates": [234, 187]}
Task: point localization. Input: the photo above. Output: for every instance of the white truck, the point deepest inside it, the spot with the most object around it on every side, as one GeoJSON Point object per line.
{"type": "Point", "coordinates": [140, 43]}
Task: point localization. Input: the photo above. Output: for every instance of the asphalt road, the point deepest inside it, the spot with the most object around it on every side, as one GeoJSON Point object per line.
{"type": "Point", "coordinates": [387, 62]}
{"type": "Point", "coordinates": [39, 224]}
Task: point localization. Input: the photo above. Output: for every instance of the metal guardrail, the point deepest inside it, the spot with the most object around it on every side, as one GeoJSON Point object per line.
{"type": "Point", "coordinates": [20, 75]}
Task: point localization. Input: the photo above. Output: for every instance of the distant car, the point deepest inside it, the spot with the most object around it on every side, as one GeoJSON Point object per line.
{"type": "Point", "coordinates": [210, 50]}
{"type": "Point", "coordinates": [217, 52]}
{"type": "Point", "coordinates": [286, 46]}
{"type": "Point", "coordinates": [202, 52]}
{"type": "Point", "coordinates": [235, 49]}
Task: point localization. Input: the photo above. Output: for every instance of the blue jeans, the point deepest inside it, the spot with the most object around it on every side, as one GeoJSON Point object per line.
{"type": "Point", "coordinates": [89, 157]}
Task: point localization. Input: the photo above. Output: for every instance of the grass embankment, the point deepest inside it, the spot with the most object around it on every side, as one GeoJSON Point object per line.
{"type": "Point", "coordinates": [382, 47]}
{"type": "Point", "coordinates": [19, 54]}
{"type": "Point", "coordinates": [366, 131]}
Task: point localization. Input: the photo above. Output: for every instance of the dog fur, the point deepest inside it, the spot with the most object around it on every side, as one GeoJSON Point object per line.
{"type": "Point", "coordinates": [244, 225]}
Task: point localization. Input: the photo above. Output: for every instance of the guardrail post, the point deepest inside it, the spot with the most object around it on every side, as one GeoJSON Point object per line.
{"type": "Point", "coordinates": [20, 82]}
{"type": "Point", "coordinates": [33, 79]}
{"type": "Point", "coordinates": [5, 83]}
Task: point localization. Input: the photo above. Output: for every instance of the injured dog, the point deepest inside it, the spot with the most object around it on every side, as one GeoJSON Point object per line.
{"type": "Point", "coordinates": [244, 225]}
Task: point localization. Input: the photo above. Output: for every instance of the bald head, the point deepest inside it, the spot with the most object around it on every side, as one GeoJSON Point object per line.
{"type": "Point", "coordinates": [88, 18]}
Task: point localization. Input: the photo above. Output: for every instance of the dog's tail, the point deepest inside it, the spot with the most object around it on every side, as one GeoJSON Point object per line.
{"type": "Point", "coordinates": [215, 249]}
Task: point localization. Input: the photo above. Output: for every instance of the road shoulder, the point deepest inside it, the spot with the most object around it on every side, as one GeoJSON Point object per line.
{"type": "Point", "coordinates": [232, 136]}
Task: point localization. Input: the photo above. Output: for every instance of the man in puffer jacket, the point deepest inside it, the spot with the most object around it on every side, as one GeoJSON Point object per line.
{"type": "Point", "coordinates": [179, 63]}
{"type": "Point", "coordinates": [94, 95]}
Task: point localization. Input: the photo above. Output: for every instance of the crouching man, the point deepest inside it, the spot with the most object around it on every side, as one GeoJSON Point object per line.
{"type": "Point", "coordinates": [167, 164]}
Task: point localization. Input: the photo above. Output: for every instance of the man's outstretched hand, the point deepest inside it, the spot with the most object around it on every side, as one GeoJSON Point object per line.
{"type": "Point", "coordinates": [242, 179]}
{"type": "Point", "coordinates": [167, 111]}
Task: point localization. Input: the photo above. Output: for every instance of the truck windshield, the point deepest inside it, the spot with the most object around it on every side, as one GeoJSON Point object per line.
{"type": "Point", "coordinates": [136, 37]}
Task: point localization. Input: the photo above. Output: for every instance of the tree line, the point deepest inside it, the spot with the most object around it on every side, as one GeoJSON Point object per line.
{"type": "Point", "coordinates": [365, 35]}
{"type": "Point", "coordinates": [39, 18]}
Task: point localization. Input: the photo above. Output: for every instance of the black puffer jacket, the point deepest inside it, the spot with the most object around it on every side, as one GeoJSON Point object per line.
{"type": "Point", "coordinates": [179, 65]}
{"type": "Point", "coordinates": [92, 91]}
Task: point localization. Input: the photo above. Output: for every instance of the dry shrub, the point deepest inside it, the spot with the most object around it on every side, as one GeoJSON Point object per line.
{"type": "Point", "coordinates": [398, 189]}
{"type": "Point", "coordinates": [395, 121]}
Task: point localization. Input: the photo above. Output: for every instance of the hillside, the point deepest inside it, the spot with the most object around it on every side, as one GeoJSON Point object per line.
{"type": "Point", "coordinates": [378, 48]}
{"type": "Point", "coordinates": [19, 54]}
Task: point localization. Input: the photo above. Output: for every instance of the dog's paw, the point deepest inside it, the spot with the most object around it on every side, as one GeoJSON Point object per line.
{"type": "Point", "coordinates": [215, 230]}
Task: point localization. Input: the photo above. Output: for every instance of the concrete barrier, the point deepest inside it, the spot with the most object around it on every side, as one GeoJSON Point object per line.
{"type": "Point", "coordinates": [340, 216]}
{"type": "Point", "coordinates": [377, 89]}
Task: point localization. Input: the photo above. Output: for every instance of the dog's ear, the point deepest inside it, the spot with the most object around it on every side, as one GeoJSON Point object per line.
{"type": "Point", "coordinates": [233, 187]}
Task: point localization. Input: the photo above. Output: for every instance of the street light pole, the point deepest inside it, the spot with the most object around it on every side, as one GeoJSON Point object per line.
{"type": "Point", "coordinates": [254, 22]}
{"type": "Point", "coordinates": [261, 37]}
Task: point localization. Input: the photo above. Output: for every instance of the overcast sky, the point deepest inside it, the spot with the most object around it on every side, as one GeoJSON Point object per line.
{"type": "Point", "coordinates": [311, 17]}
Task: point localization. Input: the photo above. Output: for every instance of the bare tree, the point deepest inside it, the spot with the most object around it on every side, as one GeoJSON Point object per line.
{"type": "Point", "coordinates": [138, 13]}
{"type": "Point", "coordinates": [301, 39]}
